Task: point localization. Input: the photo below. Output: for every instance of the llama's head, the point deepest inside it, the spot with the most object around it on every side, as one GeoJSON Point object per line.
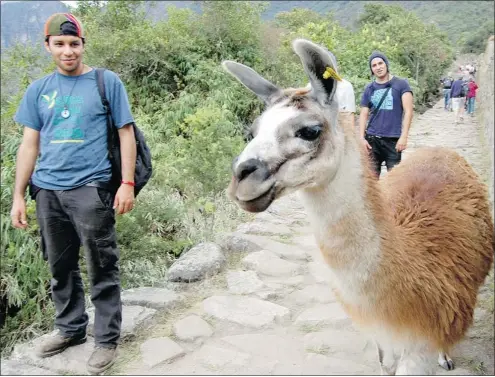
{"type": "Point", "coordinates": [297, 142]}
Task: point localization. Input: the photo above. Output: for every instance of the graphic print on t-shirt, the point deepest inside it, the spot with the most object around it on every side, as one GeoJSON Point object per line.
{"type": "Point", "coordinates": [388, 102]}
{"type": "Point", "coordinates": [65, 130]}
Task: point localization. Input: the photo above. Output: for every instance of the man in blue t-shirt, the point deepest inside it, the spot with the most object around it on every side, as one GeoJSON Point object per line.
{"type": "Point", "coordinates": [386, 114]}
{"type": "Point", "coordinates": [458, 95]}
{"type": "Point", "coordinates": [65, 136]}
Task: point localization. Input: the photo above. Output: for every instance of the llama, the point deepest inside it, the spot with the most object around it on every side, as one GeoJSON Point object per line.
{"type": "Point", "coordinates": [407, 253]}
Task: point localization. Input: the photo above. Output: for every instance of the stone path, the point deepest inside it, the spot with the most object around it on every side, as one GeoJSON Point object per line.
{"type": "Point", "coordinates": [270, 310]}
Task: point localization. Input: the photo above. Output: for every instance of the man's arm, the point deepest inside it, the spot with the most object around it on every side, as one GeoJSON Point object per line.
{"type": "Point", "coordinates": [26, 160]}
{"type": "Point", "coordinates": [363, 119]}
{"type": "Point", "coordinates": [124, 199]}
{"type": "Point", "coordinates": [407, 105]}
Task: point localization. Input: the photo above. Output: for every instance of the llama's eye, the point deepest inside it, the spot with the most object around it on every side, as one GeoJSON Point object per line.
{"type": "Point", "coordinates": [309, 133]}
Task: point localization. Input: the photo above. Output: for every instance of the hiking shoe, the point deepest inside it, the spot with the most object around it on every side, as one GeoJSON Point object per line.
{"type": "Point", "coordinates": [58, 343]}
{"type": "Point", "coordinates": [101, 359]}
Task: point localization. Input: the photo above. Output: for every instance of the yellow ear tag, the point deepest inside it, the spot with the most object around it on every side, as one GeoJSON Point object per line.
{"type": "Point", "coordinates": [330, 72]}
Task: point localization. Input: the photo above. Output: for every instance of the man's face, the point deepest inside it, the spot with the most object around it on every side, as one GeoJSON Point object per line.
{"type": "Point", "coordinates": [379, 68]}
{"type": "Point", "coordinates": [67, 52]}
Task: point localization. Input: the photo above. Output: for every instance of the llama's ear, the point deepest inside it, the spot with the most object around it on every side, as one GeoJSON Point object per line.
{"type": "Point", "coordinates": [263, 88]}
{"type": "Point", "coordinates": [320, 66]}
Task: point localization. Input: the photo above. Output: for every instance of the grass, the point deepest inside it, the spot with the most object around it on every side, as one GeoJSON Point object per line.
{"type": "Point", "coordinates": [310, 327]}
{"type": "Point", "coordinates": [284, 238]}
{"type": "Point", "coordinates": [477, 367]}
{"type": "Point", "coordinates": [322, 349]}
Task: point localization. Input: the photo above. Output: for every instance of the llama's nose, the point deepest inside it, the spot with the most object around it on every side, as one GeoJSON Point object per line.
{"type": "Point", "coordinates": [255, 168]}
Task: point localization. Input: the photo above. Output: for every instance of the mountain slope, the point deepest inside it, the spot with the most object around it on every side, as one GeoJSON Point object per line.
{"type": "Point", "coordinates": [23, 20]}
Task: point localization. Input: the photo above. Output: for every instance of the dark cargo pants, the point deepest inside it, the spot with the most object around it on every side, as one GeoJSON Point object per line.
{"type": "Point", "coordinates": [383, 149]}
{"type": "Point", "coordinates": [67, 220]}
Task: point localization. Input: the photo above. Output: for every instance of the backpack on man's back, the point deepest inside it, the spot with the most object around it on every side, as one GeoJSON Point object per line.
{"type": "Point", "coordinates": [447, 83]}
{"type": "Point", "coordinates": [144, 169]}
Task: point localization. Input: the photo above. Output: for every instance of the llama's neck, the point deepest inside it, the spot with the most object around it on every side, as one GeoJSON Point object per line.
{"type": "Point", "coordinates": [346, 224]}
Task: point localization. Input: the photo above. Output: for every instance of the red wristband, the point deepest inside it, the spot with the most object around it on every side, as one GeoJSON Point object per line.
{"type": "Point", "coordinates": [130, 183]}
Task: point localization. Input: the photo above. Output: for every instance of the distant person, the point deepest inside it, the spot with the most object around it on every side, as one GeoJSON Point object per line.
{"type": "Point", "coordinates": [386, 114]}
{"type": "Point", "coordinates": [471, 96]}
{"type": "Point", "coordinates": [472, 69]}
{"type": "Point", "coordinates": [458, 99]}
{"type": "Point", "coordinates": [446, 85]}
{"type": "Point", "coordinates": [465, 90]}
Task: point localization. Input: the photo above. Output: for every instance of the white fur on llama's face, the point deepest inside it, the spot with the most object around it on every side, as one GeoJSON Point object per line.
{"type": "Point", "coordinates": [266, 144]}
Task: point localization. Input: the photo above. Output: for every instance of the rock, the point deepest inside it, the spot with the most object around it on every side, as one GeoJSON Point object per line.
{"type": "Point", "coordinates": [456, 372]}
{"type": "Point", "coordinates": [160, 350]}
{"type": "Point", "coordinates": [320, 272]}
{"type": "Point", "coordinates": [237, 244]}
{"type": "Point", "coordinates": [246, 311]}
{"type": "Point", "coordinates": [219, 359]}
{"type": "Point", "coordinates": [324, 315]}
{"type": "Point", "coordinates": [306, 240]}
{"type": "Point", "coordinates": [314, 293]}
{"type": "Point", "coordinates": [157, 298]}
{"type": "Point", "coordinates": [344, 344]}
{"type": "Point", "coordinates": [286, 350]}
{"type": "Point", "coordinates": [243, 282]}
{"type": "Point", "coordinates": [267, 263]}
{"type": "Point", "coordinates": [317, 364]}
{"type": "Point", "coordinates": [269, 295]}
{"type": "Point", "coordinates": [191, 328]}
{"type": "Point", "coordinates": [16, 368]}
{"type": "Point", "coordinates": [132, 317]}
{"type": "Point", "coordinates": [202, 260]}
{"type": "Point", "coordinates": [216, 360]}
{"type": "Point", "coordinates": [281, 283]}
{"type": "Point", "coordinates": [263, 228]}
{"type": "Point", "coordinates": [72, 361]}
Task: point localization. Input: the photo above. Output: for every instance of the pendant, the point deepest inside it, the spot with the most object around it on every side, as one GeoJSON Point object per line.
{"type": "Point", "coordinates": [65, 113]}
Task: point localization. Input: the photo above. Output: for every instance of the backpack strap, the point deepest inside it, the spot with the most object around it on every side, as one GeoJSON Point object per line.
{"type": "Point", "coordinates": [100, 82]}
{"type": "Point", "coordinates": [377, 108]}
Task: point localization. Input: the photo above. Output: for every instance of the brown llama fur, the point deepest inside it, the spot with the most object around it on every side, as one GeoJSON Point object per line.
{"type": "Point", "coordinates": [437, 236]}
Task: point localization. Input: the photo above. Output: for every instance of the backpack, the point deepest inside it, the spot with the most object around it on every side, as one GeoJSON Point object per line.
{"type": "Point", "coordinates": [144, 169]}
{"type": "Point", "coordinates": [447, 83]}
{"type": "Point", "coordinates": [464, 90]}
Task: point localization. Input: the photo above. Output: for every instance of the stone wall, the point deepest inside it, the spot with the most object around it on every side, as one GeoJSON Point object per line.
{"type": "Point", "coordinates": [485, 106]}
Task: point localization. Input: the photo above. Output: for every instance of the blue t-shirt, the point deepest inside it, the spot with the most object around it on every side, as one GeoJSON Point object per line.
{"type": "Point", "coordinates": [388, 120]}
{"type": "Point", "coordinates": [456, 89]}
{"type": "Point", "coordinates": [73, 151]}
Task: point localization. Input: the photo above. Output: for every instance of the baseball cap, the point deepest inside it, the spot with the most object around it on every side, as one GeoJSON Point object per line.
{"type": "Point", "coordinates": [63, 24]}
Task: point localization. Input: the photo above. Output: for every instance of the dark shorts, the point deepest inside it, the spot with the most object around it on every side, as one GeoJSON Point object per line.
{"type": "Point", "coordinates": [383, 150]}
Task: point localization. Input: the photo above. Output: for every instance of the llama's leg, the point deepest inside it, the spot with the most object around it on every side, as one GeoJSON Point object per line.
{"type": "Point", "coordinates": [415, 362]}
{"type": "Point", "coordinates": [445, 361]}
{"type": "Point", "coordinates": [387, 359]}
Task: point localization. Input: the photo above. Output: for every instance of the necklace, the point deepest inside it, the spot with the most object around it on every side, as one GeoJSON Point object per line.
{"type": "Point", "coordinates": [65, 113]}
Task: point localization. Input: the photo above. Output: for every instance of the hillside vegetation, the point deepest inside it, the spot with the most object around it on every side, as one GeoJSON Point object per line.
{"type": "Point", "coordinates": [467, 23]}
{"type": "Point", "coordinates": [194, 116]}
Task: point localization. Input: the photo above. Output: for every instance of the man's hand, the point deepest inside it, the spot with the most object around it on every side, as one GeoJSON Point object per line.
{"type": "Point", "coordinates": [401, 144]}
{"type": "Point", "coordinates": [365, 143]}
{"type": "Point", "coordinates": [124, 199]}
{"type": "Point", "coordinates": [18, 213]}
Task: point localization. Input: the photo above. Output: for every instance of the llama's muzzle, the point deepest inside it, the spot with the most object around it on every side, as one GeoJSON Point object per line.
{"type": "Point", "coordinates": [252, 185]}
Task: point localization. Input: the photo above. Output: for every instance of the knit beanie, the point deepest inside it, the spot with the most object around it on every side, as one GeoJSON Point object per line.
{"type": "Point", "coordinates": [63, 24]}
{"type": "Point", "coordinates": [378, 54]}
